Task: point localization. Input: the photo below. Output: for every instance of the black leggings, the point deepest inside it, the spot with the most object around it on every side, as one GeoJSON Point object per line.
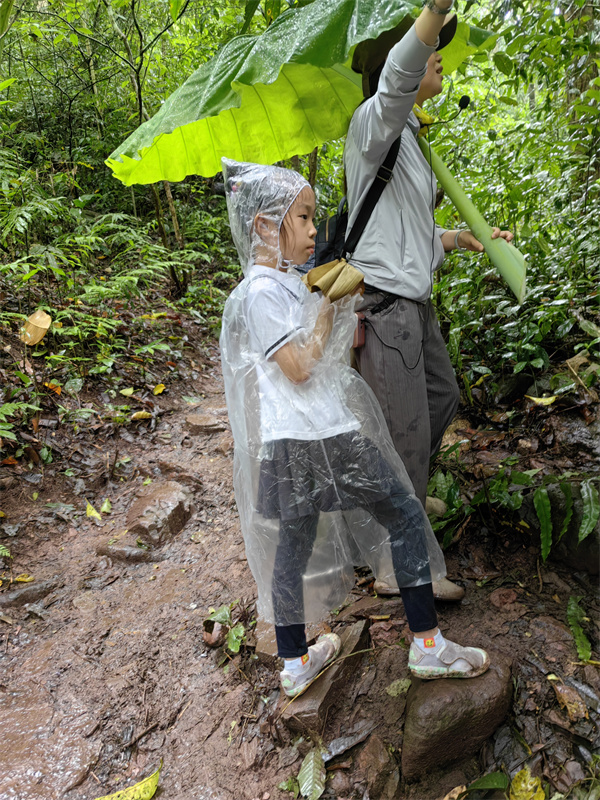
{"type": "Point", "coordinates": [403, 516]}
{"type": "Point", "coordinates": [418, 604]}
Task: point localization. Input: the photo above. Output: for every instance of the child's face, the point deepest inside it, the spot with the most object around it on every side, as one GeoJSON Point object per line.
{"type": "Point", "coordinates": [297, 235]}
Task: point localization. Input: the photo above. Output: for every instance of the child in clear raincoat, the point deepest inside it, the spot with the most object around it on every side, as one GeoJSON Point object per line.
{"type": "Point", "coordinates": [318, 483]}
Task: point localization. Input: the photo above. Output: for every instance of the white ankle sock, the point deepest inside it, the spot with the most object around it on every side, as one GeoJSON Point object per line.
{"type": "Point", "coordinates": [297, 665]}
{"type": "Point", "coordinates": [430, 644]}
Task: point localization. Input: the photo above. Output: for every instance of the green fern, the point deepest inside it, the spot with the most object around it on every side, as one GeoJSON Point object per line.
{"type": "Point", "coordinates": [4, 552]}
{"type": "Point", "coordinates": [575, 616]}
{"type": "Point", "coordinates": [10, 409]}
{"type": "Point", "coordinates": [591, 509]}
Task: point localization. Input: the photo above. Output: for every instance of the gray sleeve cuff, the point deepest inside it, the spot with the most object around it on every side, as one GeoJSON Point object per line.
{"type": "Point", "coordinates": [410, 54]}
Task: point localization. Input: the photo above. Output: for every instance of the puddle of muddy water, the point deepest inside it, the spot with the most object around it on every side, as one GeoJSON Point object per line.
{"type": "Point", "coordinates": [42, 753]}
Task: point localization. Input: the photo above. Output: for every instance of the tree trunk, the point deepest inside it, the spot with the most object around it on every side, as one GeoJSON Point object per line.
{"type": "Point", "coordinates": [312, 167]}
{"type": "Point", "coordinates": [159, 217]}
{"type": "Point", "coordinates": [173, 212]}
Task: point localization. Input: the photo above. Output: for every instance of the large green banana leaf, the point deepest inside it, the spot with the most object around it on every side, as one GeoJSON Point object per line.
{"type": "Point", "coordinates": [269, 97]}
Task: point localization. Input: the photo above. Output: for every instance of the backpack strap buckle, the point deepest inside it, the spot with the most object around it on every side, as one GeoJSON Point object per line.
{"type": "Point", "coordinates": [386, 178]}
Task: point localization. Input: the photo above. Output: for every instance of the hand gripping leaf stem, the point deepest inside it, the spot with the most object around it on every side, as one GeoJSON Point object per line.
{"type": "Point", "coordinates": [266, 98]}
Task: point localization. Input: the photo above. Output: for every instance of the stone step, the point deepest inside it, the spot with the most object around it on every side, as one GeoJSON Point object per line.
{"type": "Point", "coordinates": [448, 720]}
{"type": "Point", "coordinates": [308, 712]}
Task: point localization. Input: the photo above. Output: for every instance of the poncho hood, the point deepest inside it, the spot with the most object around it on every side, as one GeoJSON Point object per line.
{"type": "Point", "coordinates": [253, 189]}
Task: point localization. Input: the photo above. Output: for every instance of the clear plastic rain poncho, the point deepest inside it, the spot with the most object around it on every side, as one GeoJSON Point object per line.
{"type": "Point", "coordinates": [318, 484]}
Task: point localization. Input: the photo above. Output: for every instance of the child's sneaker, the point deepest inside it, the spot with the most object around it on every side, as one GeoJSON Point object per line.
{"type": "Point", "coordinates": [450, 661]}
{"type": "Point", "coordinates": [322, 653]}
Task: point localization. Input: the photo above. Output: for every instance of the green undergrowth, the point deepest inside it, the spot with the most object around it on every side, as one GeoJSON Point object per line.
{"type": "Point", "coordinates": [502, 496]}
{"type": "Point", "coordinates": [108, 284]}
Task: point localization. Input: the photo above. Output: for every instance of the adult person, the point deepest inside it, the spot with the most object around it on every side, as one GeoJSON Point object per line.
{"type": "Point", "coordinates": [404, 358]}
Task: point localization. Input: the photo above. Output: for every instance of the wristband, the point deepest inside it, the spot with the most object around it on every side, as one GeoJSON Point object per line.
{"type": "Point", "coordinates": [433, 6]}
{"type": "Point", "coordinates": [456, 244]}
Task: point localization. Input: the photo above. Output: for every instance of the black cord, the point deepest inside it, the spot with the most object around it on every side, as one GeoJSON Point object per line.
{"type": "Point", "coordinates": [393, 347]}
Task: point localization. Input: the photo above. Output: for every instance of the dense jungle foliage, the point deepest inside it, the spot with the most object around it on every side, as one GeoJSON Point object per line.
{"type": "Point", "coordinates": [115, 267]}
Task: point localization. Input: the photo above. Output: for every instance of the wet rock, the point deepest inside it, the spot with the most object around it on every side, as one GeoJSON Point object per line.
{"type": "Point", "coordinates": [86, 602]}
{"type": "Point", "coordinates": [434, 507]}
{"type": "Point", "coordinates": [249, 753]}
{"type": "Point", "coordinates": [574, 772]}
{"type": "Point", "coordinates": [448, 720]}
{"type": "Point", "coordinates": [160, 512]}
{"type": "Point", "coordinates": [36, 610]}
{"type": "Point", "coordinates": [385, 634]}
{"type": "Point", "coordinates": [572, 431]}
{"type": "Point", "coordinates": [128, 553]}
{"type": "Point", "coordinates": [369, 607]}
{"type": "Point", "coordinates": [339, 746]}
{"type": "Point", "coordinates": [527, 447]}
{"type": "Point", "coordinates": [340, 784]}
{"type": "Point", "coordinates": [79, 487]}
{"type": "Point", "coordinates": [287, 757]}
{"type": "Point", "coordinates": [203, 423]}
{"type": "Point", "coordinates": [28, 593]}
{"type": "Point", "coordinates": [550, 630]}
{"type": "Point", "coordinates": [592, 677]}
{"type": "Point", "coordinates": [182, 473]}
{"type": "Point", "coordinates": [379, 769]}
{"type": "Point", "coordinates": [308, 712]}
{"type": "Point", "coordinates": [569, 551]}
{"type": "Point", "coordinates": [557, 581]}
{"type": "Point", "coordinates": [225, 446]}
{"type": "Point", "coordinates": [34, 478]}
{"type": "Point", "coordinates": [214, 633]}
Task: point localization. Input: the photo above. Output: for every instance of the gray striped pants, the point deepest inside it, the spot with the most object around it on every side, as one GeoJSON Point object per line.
{"type": "Point", "coordinates": [405, 362]}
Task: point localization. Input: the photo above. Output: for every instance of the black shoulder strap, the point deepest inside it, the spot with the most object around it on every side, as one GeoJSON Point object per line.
{"type": "Point", "coordinates": [383, 177]}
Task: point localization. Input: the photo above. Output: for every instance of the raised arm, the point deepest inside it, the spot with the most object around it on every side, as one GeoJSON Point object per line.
{"type": "Point", "coordinates": [382, 117]}
{"type": "Point", "coordinates": [431, 20]}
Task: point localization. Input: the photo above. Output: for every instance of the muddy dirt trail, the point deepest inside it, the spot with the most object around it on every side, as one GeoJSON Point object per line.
{"type": "Point", "coordinates": [104, 671]}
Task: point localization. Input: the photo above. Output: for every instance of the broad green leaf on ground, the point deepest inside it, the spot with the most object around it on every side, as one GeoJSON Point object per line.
{"type": "Point", "coordinates": [495, 780]}
{"type": "Point", "coordinates": [266, 98]}
{"type": "Point", "coordinates": [235, 637]}
{"type": "Point", "coordinates": [144, 790]}
{"type": "Point", "coordinates": [222, 615]}
{"type": "Point", "coordinates": [311, 777]}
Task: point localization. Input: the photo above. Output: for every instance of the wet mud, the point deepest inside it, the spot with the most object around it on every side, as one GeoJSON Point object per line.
{"type": "Point", "coordinates": [104, 669]}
